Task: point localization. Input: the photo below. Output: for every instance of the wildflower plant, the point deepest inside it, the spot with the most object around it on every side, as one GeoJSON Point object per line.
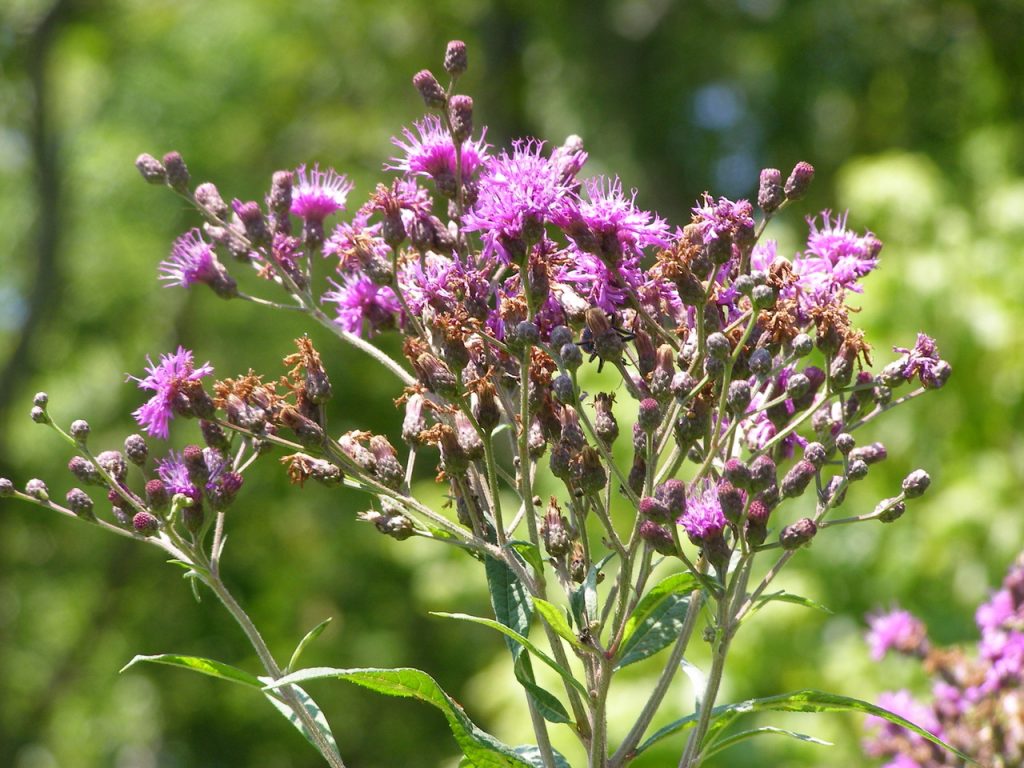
{"type": "Point", "coordinates": [512, 279]}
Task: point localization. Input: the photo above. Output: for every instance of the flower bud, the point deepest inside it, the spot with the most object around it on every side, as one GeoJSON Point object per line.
{"type": "Point", "coordinates": [683, 384]}
{"type": "Point", "coordinates": [845, 443]}
{"type": "Point", "coordinates": [564, 389]}
{"type": "Point", "coordinates": [114, 465]}
{"type": "Point", "coordinates": [637, 474]}
{"type": "Point", "coordinates": [762, 473]}
{"type": "Point", "coordinates": [869, 454]}
{"type": "Point", "coordinates": [657, 538]}
{"type": "Point", "coordinates": [663, 373]}
{"type": "Point", "coordinates": [152, 170]}
{"type": "Point", "coordinates": [560, 461]}
{"type": "Point", "coordinates": [158, 497]}
{"type": "Point", "coordinates": [646, 354]}
{"type": "Point", "coordinates": [80, 431]}
{"type": "Point", "coordinates": [672, 493]}
{"type": "Point", "coordinates": [737, 473]}
{"type": "Point", "coordinates": [738, 397]}
{"type": "Point", "coordinates": [764, 296]}
{"type": "Point", "coordinates": [460, 112]}
{"type": "Point", "coordinates": [760, 362]}
{"type": "Point", "coordinates": [437, 376]}
{"type": "Point", "coordinates": [38, 415]}
{"type": "Point", "coordinates": [208, 198]}
{"type": "Point", "coordinates": [797, 479]}
{"type": "Point", "coordinates": [80, 503]}
{"type": "Point", "coordinates": [136, 450]}
{"type": "Point", "coordinates": [654, 509]}
{"type": "Point", "coordinates": [469, 440]}
{"type": "Point", "coordinates": [857, 469]}
{"type": "Point", "coordinates": [571, 356]}
{"type": "Point", "coordinates": [797, 385]}
{"type": "Point", "coordinates": [553, 531]}
{"type": "Point", "coordinates": [803, 345]}
{"type": "Point", "coordinates": [770, 194]}
{"type": "Point", "coordinates": [145, 523]}
{"type": "Point", "coordinates": [431, 91]}
{"type": "Point", "coordinates": [718, 346]}
{"type": "Point", "coordinates": [732, 501]}
{"type": "Point", "coordinates": [799, 533]}
{"type": "Point", "coordinates": [536, 444]}
{"type": "Point", "coordinates": [455, 58]}
{"type": "Point", "coordinates": [222, 491]}
{"type": "Point", "coordinates": [485, 408]}
{"type": "Point", "coordinates": [588, 471]}
{"type": "Point", "coordinates": [85, 471]}
{"type": "Point", "coordinates": [6, 488]}
{"type": "Point", "coordinates": [37, 489]}
{"type": "Point", "coordinates": [916, 483]}
{"type": "Point", "coordinates": [605, 425]}
{"type": "Point", "coordinates": [177, 172]}
{"type": "Point", "coordinates": [890, 510]}
{"type": "Point", "coordinates": [816, 454]}
{"type": "Point", "coordinates": [560, 336]}
{"type": "Point", "coordinates": [649, 416]}
{"type": "Point", "coordinates": [799, 180]}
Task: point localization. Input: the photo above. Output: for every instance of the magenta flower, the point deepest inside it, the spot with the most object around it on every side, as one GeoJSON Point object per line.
{"type": "Point", "coordinates": [703, 519]}
{"type": "Point", "coordinates": [433, 281]}
{"type": "Point", "coordinates": [617, 225]}
{"type": "Point", "coordinates": [355, 244]}
{"type": "Point", "coordinates": [362, 304]}
{"type": "Point", "coordinates": [193, 260]}
{"type": "Point", "coordinates": [723, 218]}
{"type": "Point", "coordinates": [517, 195]}
{"type": "Point", "coordinates": [896, 630]}
{"type": "Point", "coordinates": [318, 195]}
{"type": "Point", "coordinates": [601, 285]}
{"type": "Point", "coordinates": [172, 471]}
{"type": "Point", "coordinates": [906, 706]}
{"type": "Point", "coordinates": [166, 379]}
{"type": "Point", "coordinates": [835, 259]}
{"type": "Point", "coordinates": [923, 361]}
{"type": "Point", "coordinates": [430, 151]}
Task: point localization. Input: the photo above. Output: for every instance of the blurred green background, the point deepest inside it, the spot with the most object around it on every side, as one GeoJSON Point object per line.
{"type": "Point", "coordinates": [911, 110]}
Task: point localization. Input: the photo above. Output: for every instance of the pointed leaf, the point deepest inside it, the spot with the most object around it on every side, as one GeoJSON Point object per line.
{"type": "Point", "coordinates": [532, 755]}
{"type": "Point", "coordinates": [801, 701]}
{"type": "Point", "coordinates": [482, 749]}
{"type": "Point", "coordinates": [662, 621]}
{"type": "Point", "coordinates": [676, 584]}
{"type": "Point", "coordinates": [767, 730]}
{"type": "Point", "coordinates": [310, 706]}
{"type": "Point", "coordinates": [209, 667]}
{"type": "Point", "coordinates": [555, 619]}
{"type": "Point", "coordinates": [548, 705]}
{"type": "Point", "coordinates": [583, 599]}
{"type": "Point", "coordinates": [524, 641]}
{"type": "Point", "coordinates": [312, 635]}
{"type": "Point", "coordinates": [509, 599]}
{"type": "Point", "coordinates": [786, 597]}
{"type": "Point", "coordinates": [530, 553]}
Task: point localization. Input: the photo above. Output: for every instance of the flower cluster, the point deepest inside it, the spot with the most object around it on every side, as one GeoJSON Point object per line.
{"type": "Point", "coordinates": [976, 703]}
{"type": "Point", "coordinates": [513, 278]}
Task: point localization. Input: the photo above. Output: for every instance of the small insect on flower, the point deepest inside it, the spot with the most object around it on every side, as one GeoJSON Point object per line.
{"type": "Point", "coordinates": [603, 338]}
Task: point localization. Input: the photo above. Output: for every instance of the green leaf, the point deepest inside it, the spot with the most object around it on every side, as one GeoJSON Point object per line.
{"type": "Point", "coordinates": [209, 667]}
{"type": "Point", "coordinates": [310, 706]}
{"type": "Point", "coordinates": [509, 599]}
{"type": "Point", "coordinates": [529, 553]}
{"type": "Point", "coordinates": [583, 599]}
{"type": "Point", "coordinates": [522, 640]}
{"type": "Point", "coordinates": [547, 703]}
{"type": "Point", "coordinates": [657, 620]}
{"type": "Point", "coordinates": [763, 731]}
{"type": "Point", "coordinates": [555, 619]}
{"type": "Point", "coordinates": [531, 754]}
{"type": "Point", "coordinates": [785, 597]}
{"type": "Point", "coordinates": [189, 567]}
{"type": "Point", "coordinates": [482, 749]}
{"type": "Point", "coordinates": [801, 701]}
{"type": "Point", "coordinates": [312, 635]}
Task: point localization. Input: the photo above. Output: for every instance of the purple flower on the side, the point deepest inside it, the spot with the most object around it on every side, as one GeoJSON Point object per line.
{"type": "Point", "coordinates": [923, 361]}
{"type": "Point", "coordinates": [166, 379]}
{"type": "Point", "coordinates": [993, 614]}
{"type": "Point", "coordinates": [192, 261]}
{"type": "Point", "coordinates": [172, 471]}
{"type": "Point", "coordinates": [723, 218]}
{"type": "Point", "coordinates": [430, 151]}
{"type": "Point", "coordinates": [517, 194]}
{"type": "Point", "coordinates": [887, 742]}
{"type": "Point", "coordinates": [612, 219]}
{"type": "Point", "coordinates": [319, 194]}
{"type": "Point", "coordinates": [601, 285]}
{"type": "Point", "coordinates": [362, 303]}
{"type": "Point", "coordinates": [703, 519]}
{"type": "Point", "coordinates": [896, 630]}
{"type": "Point", "coordinates": [834, 260]}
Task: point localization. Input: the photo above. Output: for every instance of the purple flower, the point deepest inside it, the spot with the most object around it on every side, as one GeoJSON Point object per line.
{"type": "Point", "coordinates": [896, 630]}
{"type": "Point", "coordinates": [166, 379]}
{"type": "Point", "coordinates": [431, 151]}
{"type": "Point", "coordinates": [891, 737]}
{"type": "Point", "coordinates": [723, 218]}
{"type": "Point", "coordinates": [601, 285]}
{"type": "Point", "coordinates": [433, 281]}
{"type": "Point", "coordinates": [835, 259]}
{"type": "Point", "coordinates": [322, 193]}
{"type": "Point", "coordinates": [922, 361]}
{"type": "Point", "coordinates": [172, 471]}
{"type": "Point", "coordinates": [192, 260]}
{"type": "Point", "coordinates": [1004, 651]}
{"type": "Point", "coordinates": [355, 244]}
{"type": "Point", "coordinates": [991, 616]}
{"type": "Point", "coordinates": [361, 302]}
{"type": "Point", "coordinates": [613, 220]}
{"type": "Point", "coordinates": [517, 195]}
{"type": "Point", "coordinates": [703, 519]}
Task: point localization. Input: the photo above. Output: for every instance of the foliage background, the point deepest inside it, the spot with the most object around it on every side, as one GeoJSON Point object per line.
{"type": "Point", "coordinates": [911, 110]}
